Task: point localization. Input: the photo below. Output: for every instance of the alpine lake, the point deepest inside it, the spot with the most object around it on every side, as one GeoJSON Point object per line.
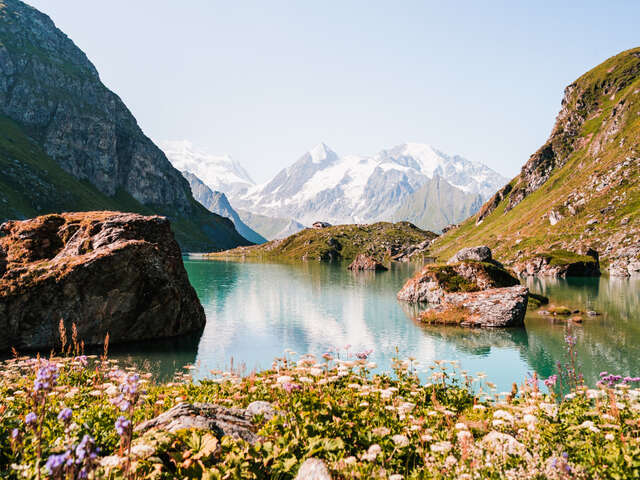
{"type": "Point", "coordinates": [257, 311]}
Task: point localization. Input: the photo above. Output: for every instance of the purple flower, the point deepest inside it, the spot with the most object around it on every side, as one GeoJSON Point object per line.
{"type": "Point", "coordinates": [30, 418]}
{"type": "Point", "coordinates": [364, 354]}
{"type": "Point", "coordinates": [603, 374]}
{"type": "Point", "coordinates": [82, 359]}
{"type": "Point", "coordinates": [122, 425]}
{"type": "Point", "coordinates": [15, 434]}
{"type": "Point", "coordinates": [84, 449]}
{"type": "Point", "coordinates": [65, 415]}
{"type": "Point", "coordinates": [551, 381]}
{"type": "Point", "coordinates": [55, 463]}
{"type": "Point", "coordinates": [290, 387]}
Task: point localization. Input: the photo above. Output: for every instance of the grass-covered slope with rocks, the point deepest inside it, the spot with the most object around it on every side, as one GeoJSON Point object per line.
{"type": "Point", "coordinates": [582, 187]}
{"type": "Point", "coordinates": [68, 143]}
{"type": "Point", "coordinates": [380, 241]}
{"type": "Point", "coordinates": [80, 417]}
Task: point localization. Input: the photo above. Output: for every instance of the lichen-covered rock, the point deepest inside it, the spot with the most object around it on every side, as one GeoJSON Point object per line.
{"type": "Point", "coordinates": [364, 262]}
{"type": "Point", "coordinates": [313, 469]}
{"type": "Point", "coordinates": [104, 272]}
{"type": "Point", "coordinates": [434, 281]}
{"type": "Point", "coordinates": [416, 251]}
{"type": "Point", "coordinates": [234, 422]}
{"type": "Point", "coordinates": [495, 307]}
{"type": "Point", "coordinates": [560, 263]}
{"type": "Point", "coordinates": [480, 253]}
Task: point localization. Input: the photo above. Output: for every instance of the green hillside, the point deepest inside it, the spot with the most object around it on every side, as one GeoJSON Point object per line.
{"type": "Point", "coordinates": [581, 189]}
{"type": "Point", "coordinates": [341, 242]}
{"type": "Point", "coordinates": [33, 184]}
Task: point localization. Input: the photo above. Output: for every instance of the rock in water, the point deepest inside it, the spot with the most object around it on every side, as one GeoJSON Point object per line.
{"type": "Point", "coordinates": [105, 272]}
{"type": "Point", "coordinates": [481, 253]}
{"type": "Point", "coordinates": [495, 307]}
{"type": "Point", "coordinates": [364, 262]}
{"type": "Point", "coordinates": [471, 290]}
{"type": "Point", "coordinates": [313, 469]}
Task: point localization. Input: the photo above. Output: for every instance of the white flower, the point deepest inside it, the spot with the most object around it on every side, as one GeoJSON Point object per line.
{"type": "Point", "coordinates": [609, 437]}
{"type": "Point", "coordinates": [350, 460]}
{"type": "Point", "coordinates": [364, 404]}
{"type": "Point", "coordinates": [479, 407]}
{"type": "Point", "coordinates": [400, 440]}
{"type": "Point", "coordinates": [284, 379]}
{"type": "Point", "coordinates": [396, 476]}
{"type": "Point", "coordinates": [461, 426]}
{"type": "Point", "coordinates": [497, 423]}
{"type": "Point", "coordinates": [503, 415]}
{"type": "Point", "coordinates": [450, 461]}
{"type": "Point", "coordinates": [464, 436]}
{"type": "Point", "coordinates": [589, 425]}
{"type": "Point", "coordinates": [441, 447]}
{"type": "Point", "coordinates": [316, 372]}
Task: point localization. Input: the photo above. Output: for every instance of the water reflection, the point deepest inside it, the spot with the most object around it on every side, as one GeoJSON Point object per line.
{"type": "Point", "coordinates": [257, 310]}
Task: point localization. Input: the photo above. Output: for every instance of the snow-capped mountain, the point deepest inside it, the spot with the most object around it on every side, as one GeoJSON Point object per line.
{"type": "Point", "coordinates": [324, 186]}
{"type": "Point", "coordinates": [219, 172]}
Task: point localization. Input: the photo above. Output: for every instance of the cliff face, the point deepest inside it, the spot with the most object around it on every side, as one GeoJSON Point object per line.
{"type": "Point", "coordinates": [581, 189]}
{"type": "Point", "coordinates": [52, 95]}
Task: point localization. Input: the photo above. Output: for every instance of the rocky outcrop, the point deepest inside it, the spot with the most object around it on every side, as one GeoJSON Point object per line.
{"type": "Point", "coordinates": [478, 254]}
{"type": "Point", "coordinates": [412, 252]}
{"type": "Point", "coordinates": [495, 307]}
{"type": "Point", "coordinates": [468, 292]}
{"type": "Point", "coordinates": [560, 264]}
{"type": "Point", "coordinates": [625, 264]}
{"type": "Point", "coordinates": [364, 262]}
{"type": "Point", "coordinates": [102, 272]}
{"type": "Point", "coordinates": [434, 282]}
{"type": "Point", "coordinates": [233, 422]}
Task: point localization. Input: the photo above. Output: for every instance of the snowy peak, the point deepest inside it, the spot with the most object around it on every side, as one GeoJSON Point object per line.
{"type": "Point", "coordinates": [219, 172]}
{"type": "Point", "coordinates": [354, 188]}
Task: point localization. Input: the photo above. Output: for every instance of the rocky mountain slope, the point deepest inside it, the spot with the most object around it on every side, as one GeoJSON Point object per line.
{"type": "Point", "coordinates": [581, 189]}
{"type": "Point", "coordinates": [69, 143]}
{"type": "Point", "coordinates": [271, 228]}
{"type": "Point", "coordinates": [324, 186]}
{"type": "Point", "coordinates": [217, 202]}
{"type": "Point", "coordinates": [436, 204]}
{"type": "Point", "coordinates": [381, 241]}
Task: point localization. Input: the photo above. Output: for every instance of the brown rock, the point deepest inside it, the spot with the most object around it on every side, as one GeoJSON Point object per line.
{"type": "Point", "coordinates": [364, 262]}
{"type": "Point", "coordinates": [496, 307]}
{"type": "Point", "coordinates": [105, 272]}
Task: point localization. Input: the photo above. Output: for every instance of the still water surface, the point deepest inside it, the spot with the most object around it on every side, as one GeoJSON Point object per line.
{"type": "Point", "coordinates": [257, 310]}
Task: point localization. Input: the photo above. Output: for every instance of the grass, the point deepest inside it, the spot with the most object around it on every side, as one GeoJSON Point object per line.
{"type": "Point", "coordinates": [564, 257]}
{"type": "Point", "coordinates": [33, 184]}
{"type": "Point", "coordinates": [393, 425]}
{"type": "Point", "coordinates": [525, 230]}
{"type": "Point", "coordinates": [535, 301]}
{"type": "Point", "coordinates": [448, 316]}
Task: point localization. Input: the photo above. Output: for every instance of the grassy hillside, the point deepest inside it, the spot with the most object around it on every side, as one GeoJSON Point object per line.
{"type": "Point", "coordinates": [33, 184]}
{"type": "Point", "coordinates": [581, 189]}
{"type": "Point", "coordinates": [340, 242]}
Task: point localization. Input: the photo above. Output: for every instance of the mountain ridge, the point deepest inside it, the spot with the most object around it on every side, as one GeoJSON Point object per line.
{"type": "Point", "coordinates": [581, 189]}
{"type": "Point", "coordinates": [77, 141]}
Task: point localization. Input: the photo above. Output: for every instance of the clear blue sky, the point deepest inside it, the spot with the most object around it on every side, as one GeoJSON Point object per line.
{"type": "Point", "coordinates": [266, 80]}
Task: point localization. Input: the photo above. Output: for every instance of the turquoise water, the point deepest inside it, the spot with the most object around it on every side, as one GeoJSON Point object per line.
{"type": "Point", "coordinates": [257, 310]}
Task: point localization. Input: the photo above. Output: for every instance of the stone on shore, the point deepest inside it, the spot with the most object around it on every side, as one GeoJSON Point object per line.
{"type": "Point", "coordinates": [104, 272]}
{"type": "Point", "coordinates": [480, 253]}
{"type": "Point", "coordinates": [560, 263]}
{"type": "Point", "coordinates": [364, 262]}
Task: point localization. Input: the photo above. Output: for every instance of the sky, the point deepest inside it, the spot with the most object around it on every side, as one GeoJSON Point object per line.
{"type": "Point", "coordinates": [265, 81]}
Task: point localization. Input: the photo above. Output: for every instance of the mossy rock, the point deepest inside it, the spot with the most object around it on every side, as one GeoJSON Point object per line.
{"type": "Point", "coordinates": [536, 301]}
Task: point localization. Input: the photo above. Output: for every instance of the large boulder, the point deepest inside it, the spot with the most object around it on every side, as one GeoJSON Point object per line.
{"type": "Point", "coordinates": [104, 272]}
{"type": "Point", "coordinates": [481, 253]}
{"type": "Point", "coordinates": [364, 262]}
{"type": "Point", "coordinates": [495, 307]}
{"type": "Point", "coordinates": [560, 263]}
{"type": "Point", "coordinates": [435, 281]}
{"type": "Point", "coordinates": [233, 422]}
